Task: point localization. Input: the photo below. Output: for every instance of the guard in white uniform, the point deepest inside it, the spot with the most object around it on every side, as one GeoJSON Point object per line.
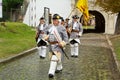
{"type": "Point", "coordinates": [41, 43]}
{"type": "Point", "coordinates": [76, 31]}
{"type": "Point", "coordinates": [57, 38]}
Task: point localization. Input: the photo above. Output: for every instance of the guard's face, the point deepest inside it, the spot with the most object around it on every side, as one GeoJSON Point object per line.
{"type": "Point", "coordinates": [42, 21]}
{"type": "Point", "coordinates": [56, 22]}
{"type": "Point", "coordinates": [67, 20]}
{"type": "Point", "coordinates": [62, 23]}
{"type": "Point", "coordinates": [75, 19]}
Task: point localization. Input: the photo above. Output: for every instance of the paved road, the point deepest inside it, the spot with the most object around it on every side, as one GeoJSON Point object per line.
{"type": "Point", "coordinates": [94, 63]}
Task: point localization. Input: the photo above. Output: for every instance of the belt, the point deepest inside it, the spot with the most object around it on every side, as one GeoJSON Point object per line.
{"type": "Point", "coordinates": [54, 42]}
{"type": "Point", "coordinates": [41, 32]}
{"type": "Point", "coordinates": [73, 30]}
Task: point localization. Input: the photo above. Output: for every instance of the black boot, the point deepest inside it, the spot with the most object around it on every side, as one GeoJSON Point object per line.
{"type": "Point", "coordinates": [51, 75]}
{"type": "Point", "coordinates": [58, 71]}
{"type": "Point", "coordinates": [42, 57]}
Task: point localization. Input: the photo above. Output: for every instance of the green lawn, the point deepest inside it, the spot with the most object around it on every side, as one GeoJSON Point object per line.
{"type": "Point", "coordinates": [15, 38]}
{"type": "Point", "coordinates": [116, 45]}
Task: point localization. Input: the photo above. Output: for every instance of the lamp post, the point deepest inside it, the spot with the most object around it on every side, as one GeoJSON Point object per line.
{"type": "Point", "coordinates": [46, 14]}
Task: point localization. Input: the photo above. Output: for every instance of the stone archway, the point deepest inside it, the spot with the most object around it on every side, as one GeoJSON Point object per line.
{"type": "Point", "coordinates": [99, 23]}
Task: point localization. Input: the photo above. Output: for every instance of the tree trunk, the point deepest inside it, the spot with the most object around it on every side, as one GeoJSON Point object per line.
{"type": "Point", "coordinates": [117, 26]}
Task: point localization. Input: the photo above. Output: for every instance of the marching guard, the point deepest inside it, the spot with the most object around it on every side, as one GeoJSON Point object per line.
{"type": "Point", "coordinates": [57, 38]}
{"type": "Point", "coordinates": [62, 22]}
{"type": "Point", "coordinates": [41, 43]}
{"type": "Point", "coordinates": [67, 26]}
{"type": "Point", "coordinates": [75, 30]}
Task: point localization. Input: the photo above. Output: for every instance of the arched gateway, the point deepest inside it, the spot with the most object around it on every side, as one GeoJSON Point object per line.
{"type": "Point", "coordinates": [99, 22]}
{"type": "Point", "coordinates": [104, 22]}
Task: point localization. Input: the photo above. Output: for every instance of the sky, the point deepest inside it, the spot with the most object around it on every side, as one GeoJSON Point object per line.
{"type": "Point", "coordinates": [61, 7]}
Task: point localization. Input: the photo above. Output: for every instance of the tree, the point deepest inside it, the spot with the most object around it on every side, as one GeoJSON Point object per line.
{"type": "Point", "coordinates": [112, 6]}
{"type": "Point", "coordinates": [8, 5]}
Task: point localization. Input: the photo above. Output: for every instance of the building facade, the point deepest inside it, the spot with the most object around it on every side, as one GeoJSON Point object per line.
{"type": "Point", "coordinates": [105, 22]}
{"type": "Point", "coordinates": [35, 10]}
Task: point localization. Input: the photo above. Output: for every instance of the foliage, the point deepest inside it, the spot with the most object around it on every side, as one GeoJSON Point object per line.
{"type": "Point", "coordinates": [116, 45]}
{"type": "Point", "coordinates": [109, 5]}
{"type": "Point", "coordinates": [8, 4]}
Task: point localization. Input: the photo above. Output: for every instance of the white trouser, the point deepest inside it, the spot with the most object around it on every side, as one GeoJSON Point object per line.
{"type": "Point", "coordinates": [42, 51]}
{"type": "Point", "coordinates": [74, 49]}
{"type": "Point", "coordinates": [53, 65]}
{"type": "Point", "coordinates": [59, 65]}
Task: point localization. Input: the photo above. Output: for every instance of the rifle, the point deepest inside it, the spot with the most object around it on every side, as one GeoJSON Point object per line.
{"type": "Point", "coordinates": [64, 53]}
{"type": "Point", "coordinates": [36, 37]}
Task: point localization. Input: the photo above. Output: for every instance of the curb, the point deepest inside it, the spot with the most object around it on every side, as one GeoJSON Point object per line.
{"type": "Point", "coordinates": [18, 55]}
{"type": "Point", "coordinates": [115, 36]}
{"type": "Point", "coordinates": [113, 53]}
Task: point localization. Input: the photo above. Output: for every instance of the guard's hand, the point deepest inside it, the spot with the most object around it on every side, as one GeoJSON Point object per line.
{"type": "Point", "coordinates": [78, 36]}
{"type": "Point", "coordinates": [60, 45]}
{"type": "Point", "coordinates": [46, 37]}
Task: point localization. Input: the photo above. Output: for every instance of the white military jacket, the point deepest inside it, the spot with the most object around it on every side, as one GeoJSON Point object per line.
{"type": "Point", "coordinates": [63, 34]}
{"type": "Point", "coordinates": [77, 31]}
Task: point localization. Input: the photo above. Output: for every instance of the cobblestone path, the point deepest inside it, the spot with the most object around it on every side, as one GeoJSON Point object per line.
{"type": "Point", "coordinates": [94, 63]}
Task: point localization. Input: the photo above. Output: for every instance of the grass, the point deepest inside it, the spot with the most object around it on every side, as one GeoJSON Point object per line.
{"type": "Point", "coordinates": [116, 45]}
{"type": "Point", "coordinates": [15, 38]}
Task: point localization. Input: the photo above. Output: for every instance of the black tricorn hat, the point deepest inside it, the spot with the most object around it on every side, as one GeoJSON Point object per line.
{"type": "Point", "coordinates": [62, 19]}
{"type": "Point", "coordinates": [42, 18]}
{"type": "Point", "coordinates": [67, 19]}
{"type": "Point", "coordinates": [75, 17]}
{"type": "Point", "coordinates": [56, 16]}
